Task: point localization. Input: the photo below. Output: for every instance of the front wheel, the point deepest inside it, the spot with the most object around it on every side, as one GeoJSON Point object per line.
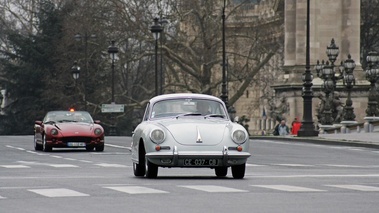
{"type": "Point", "coordinates": [37, 146]}
{"type": "Point", "coordinates": [221, 171]}
{"type": "Point", "coordinates": [46, 147]}
{"type": "Point", "coordinates": [139, 169]}
{"type": "Point", "coordinates": [100, 148]}
{"type": "Point", "coordinates": [151, 169]}
{"type": "Point", "coordinates": [239, 171]}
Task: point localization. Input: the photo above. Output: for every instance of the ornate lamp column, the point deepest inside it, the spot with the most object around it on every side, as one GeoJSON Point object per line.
{"type": "Point", "coordinates": [156, 29]}
{"type": "Point", "coordinates": [113, 50]}
{"type": "Point", "coordinates": [75, 71]}
{"type": "Point", "coordinates": [372, 73]}
{"type": "Point", "coordinates": [224, 92]}
{"type": "Point", "coordinates": [349, 82]}
{"type": "Point", "coordinates": [327, 74]}
{"type": "Point", "coordinates": [307, 128]}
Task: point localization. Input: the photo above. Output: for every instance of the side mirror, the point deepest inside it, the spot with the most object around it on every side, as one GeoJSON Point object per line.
{"type": "Point", "coordinates": [236, 119]}
{"type": "Point", "coordinates": [97, 121]}
{"type": "Point", "coordinates": [38, 123]}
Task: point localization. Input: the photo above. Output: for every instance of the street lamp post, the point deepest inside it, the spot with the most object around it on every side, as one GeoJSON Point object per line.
{"type": "Point", "coordinates": [349, 82]}
{"type": "Point", "coordinates": [372, 74]}
{"type": "Point", "coordinates": [113, 50]}
{"type": "Point", "coordinates": [79, 37]}
{"type": "Point", "coordinates": [224, 92]}
{"type": "Point", "coordinates": [327, 73]}
{"type": "Point", "coordinates": [307, 128]}
{"type": "Point", "coordinates": [156, 29]}
{"type": "Point", "coordinates": [75, 71]}
{"type": "Point", "coordinates": [163, 21]}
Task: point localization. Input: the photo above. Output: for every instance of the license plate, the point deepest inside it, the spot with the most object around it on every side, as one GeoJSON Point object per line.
{"type": "Point", "coordinates": [76, 144]}
{"type": "Point", "coordinates": [200, 162]}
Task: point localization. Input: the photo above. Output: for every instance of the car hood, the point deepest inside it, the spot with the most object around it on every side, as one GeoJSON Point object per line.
{"type": "Point", "coordinates": [75, 129]}
{"type": "Point", "coordinates": [198, 131]}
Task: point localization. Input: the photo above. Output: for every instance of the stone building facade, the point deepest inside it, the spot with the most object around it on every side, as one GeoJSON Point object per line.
{"type": "Point", "coordinates": [328, 19]}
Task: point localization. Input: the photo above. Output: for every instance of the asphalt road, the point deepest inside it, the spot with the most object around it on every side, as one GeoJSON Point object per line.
{"type": "Point", "coordinates": [281, 176]}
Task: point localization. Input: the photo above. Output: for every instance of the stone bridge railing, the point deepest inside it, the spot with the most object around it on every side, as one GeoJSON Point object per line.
{"type": "Point", "coordinates": [370, 125]}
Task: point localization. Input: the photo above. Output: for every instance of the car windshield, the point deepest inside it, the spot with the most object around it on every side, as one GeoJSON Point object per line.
{"type": "Point", "coordinates": [188, 107]}
{"type": "Point", "coordinates": [66, 116]}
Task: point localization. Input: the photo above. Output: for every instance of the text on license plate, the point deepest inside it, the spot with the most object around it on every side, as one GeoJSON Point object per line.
{"type": "Point", "coordinates": [76, 144]}
{"type": "Point", "coordinates": [200, 162]}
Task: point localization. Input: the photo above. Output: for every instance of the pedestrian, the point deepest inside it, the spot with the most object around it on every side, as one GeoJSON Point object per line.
{"type": "Point", "coordinates": [281, 129]}
{"type": "Point", "coordinates": [295, 126]}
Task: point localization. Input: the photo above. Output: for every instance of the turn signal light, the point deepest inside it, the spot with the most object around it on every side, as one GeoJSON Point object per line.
{"type": "Point", "coordinates": [157, 147]}
{"type": "Point", "coordinates": [239, 148]}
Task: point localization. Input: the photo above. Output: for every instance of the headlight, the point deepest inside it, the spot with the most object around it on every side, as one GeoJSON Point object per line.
{"type": "Point", "coordinates": [239, 137]}
{"type": "Point", "coordinates": [54, 132]}
{"type": "Point", "coordinates": [157, 136]}
{"type": "Point", "coordinates": [98, 131]}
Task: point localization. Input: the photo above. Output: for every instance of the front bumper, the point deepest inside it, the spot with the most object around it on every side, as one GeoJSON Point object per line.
{"type": "Point", "coordinates": [177, 158]}
{"type": "Point", "coordinates": [70, 142]}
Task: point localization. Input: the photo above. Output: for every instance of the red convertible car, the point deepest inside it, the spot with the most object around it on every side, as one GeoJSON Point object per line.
{"type": "Point", "coordinates": [68, 129]}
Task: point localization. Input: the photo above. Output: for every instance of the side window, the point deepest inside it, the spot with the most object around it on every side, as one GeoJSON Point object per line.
{"type": "Point", "coordinates": [147, 112]}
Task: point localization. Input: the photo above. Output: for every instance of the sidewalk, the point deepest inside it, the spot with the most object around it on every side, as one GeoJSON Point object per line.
{"type": "Point", "coordinates": [370, 140]}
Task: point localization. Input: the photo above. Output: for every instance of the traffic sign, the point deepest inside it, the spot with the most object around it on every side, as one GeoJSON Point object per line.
{"type": "Point", "coordinates": [112, 108]}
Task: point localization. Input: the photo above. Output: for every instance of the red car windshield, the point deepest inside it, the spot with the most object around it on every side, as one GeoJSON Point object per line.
{"type": "Point", "coordinates": [66, 116]}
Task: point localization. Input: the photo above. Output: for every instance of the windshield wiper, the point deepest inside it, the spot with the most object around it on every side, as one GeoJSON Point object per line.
{"type": "Point", "coordinates": [61, 121]}
{"type": "Point", "coordinates": [50, 122]}
{"type": "Point", "coordinates": [189, 114]}
{"type": "Point", "coordinates": [215, 116]}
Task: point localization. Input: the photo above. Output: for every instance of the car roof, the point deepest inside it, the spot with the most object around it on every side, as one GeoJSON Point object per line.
{"type": "Point", "coordinates": [67, 111]}
{"type": "Point", "coordinates": [184, 95]}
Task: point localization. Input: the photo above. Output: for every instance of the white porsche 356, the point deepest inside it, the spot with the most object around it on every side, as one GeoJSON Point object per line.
{"type": "Point", "coordinates": [189, 130]}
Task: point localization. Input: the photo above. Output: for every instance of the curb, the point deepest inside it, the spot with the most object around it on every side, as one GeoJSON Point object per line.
{"type": "Point", "coordinates": [318, 140]}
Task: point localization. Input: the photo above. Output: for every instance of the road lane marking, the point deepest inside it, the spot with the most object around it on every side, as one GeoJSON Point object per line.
{"type": "Point", "coordinates": [1, 197]}
{"type": "Point", "coordinates": [351, 166]}
{"type": "Point", "coordinates": [213, 188]}
{"type": "Point", "coordinates": [289, 188]}
{"type": "Point", "coordinates": [117, 146]}
{"type": "Point", "coordinates": [48, 164]}
{"type": "Point", "coordinates": [253, 165]}
{"type": "Point", "coordinates": [293, 165]}
{"type": "Point", "coordinates": [62, 165]}
{"type": "Point", "coordinates": [313, 176]}
{"type": "Point", "coordinates": [111, 165]}
{"type": "Point", "coordinates": [86, 161]}
{"type": "Point", "coordinates": [15, 166]}
{"type": "Point", "coordinates": [357, 187]}
{"type": "Point", "coordinates": [136, 190]}
{"type": "Point", "coordinates": [72, 159]}
{"type": "Point", "coordinates": [58, 192]}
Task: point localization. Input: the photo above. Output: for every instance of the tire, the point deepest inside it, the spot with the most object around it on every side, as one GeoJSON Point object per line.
{"type": "Point", "coordinates": [221, 171]}
{"type": "Point", "coordinates": [140, 168]}
{"type": "Point", "coordinates": [45, 146]}
{"type": "Point", "coordinates": [37, 146]}
{"type": "Point", "coordinates": [89, 148]}
{"type": "Point", "coordinates": [151, 169]}
{"type": "Point", "coordinates": [100, 148]}
{"type": "Point", "coordinates": [239, 171]}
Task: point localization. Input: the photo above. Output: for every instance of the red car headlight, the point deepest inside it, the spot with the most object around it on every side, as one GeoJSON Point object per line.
{"type": "Point", "coordinates": [54, 132]}
{"type": "Point", "coordinates": [98, 131]}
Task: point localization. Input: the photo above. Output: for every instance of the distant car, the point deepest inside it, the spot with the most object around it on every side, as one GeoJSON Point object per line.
{"type": "Point", "coordinates": [189, 130]}
{"type": "Point", "coordinates": [68, 129]}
